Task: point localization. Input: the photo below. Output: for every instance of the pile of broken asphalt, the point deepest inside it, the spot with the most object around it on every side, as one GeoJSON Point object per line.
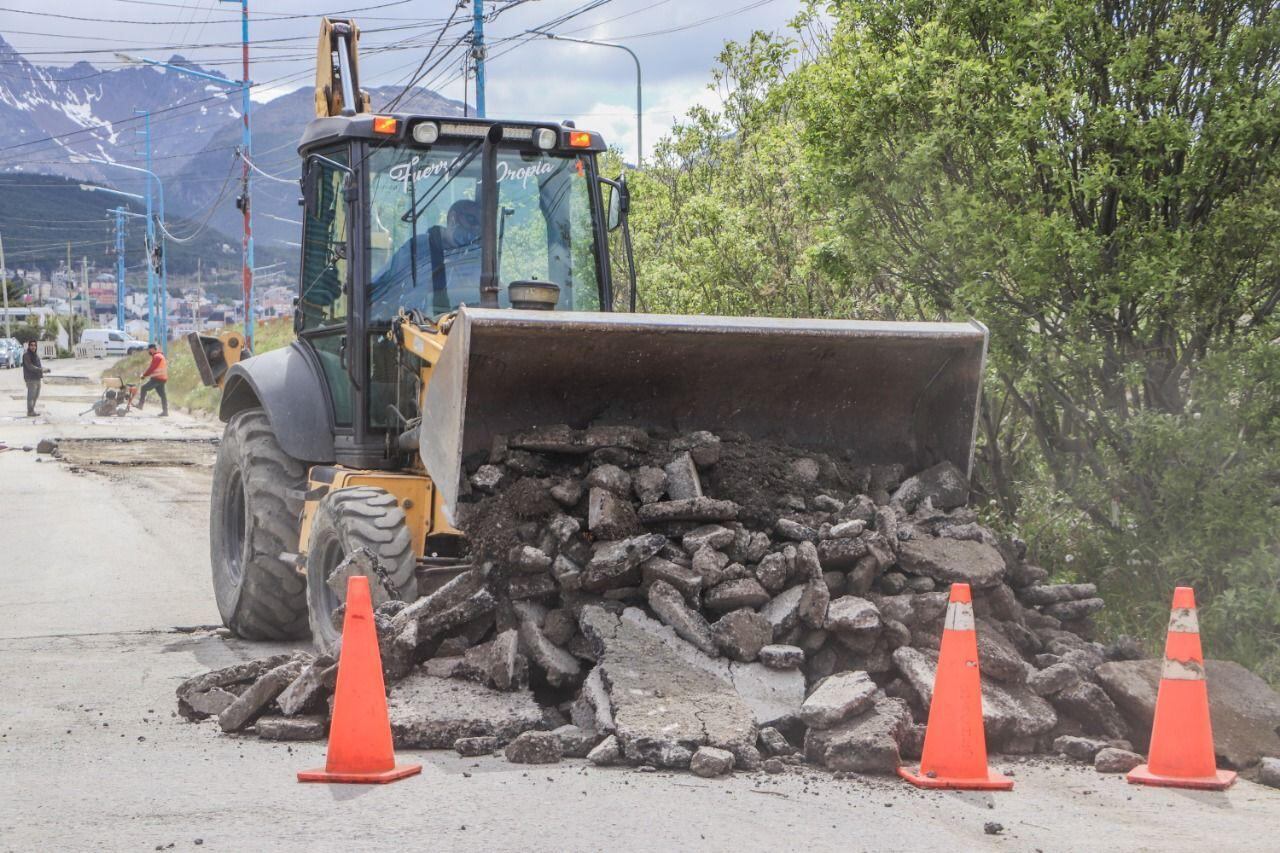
{"type": "Point", "coordinates": [711, 603]}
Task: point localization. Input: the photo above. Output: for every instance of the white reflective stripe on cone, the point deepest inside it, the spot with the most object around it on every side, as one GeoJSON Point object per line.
{"type": "Point", "coordinates": [959, 616]}
{"type": "Point", "coordinates": [1182, 670]}
{"type": "Point", "coordinates": [1183, 620]}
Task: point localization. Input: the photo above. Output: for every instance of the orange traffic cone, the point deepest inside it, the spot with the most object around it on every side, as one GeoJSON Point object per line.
{"type": "Point", "coordinates": [360, 734]}
{"type": "Point", "coordinates": [955, 745]}
{"type": "Point", "coordinates": [1181, 754]}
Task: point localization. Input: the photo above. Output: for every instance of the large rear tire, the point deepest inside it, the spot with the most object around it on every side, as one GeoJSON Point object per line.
{"type": "Point", "coordinates": [252, 521]}
{"type": "Point", "coordinates": [345, 520]}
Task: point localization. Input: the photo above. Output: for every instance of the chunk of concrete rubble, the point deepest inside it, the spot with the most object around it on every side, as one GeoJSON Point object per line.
{"type": "Point", "coordinates": [560, 667]}
{"type": "Point", "coordinates": [669, 605]}
{"type": "Point", "coordinates": [664, 706]}
{"type": "Point", "coordinates": [815, 598]}
{"type": "Point", "coordinates": [568, 493]}
{"type": "Point", "coordinates": [617, 564]}
{"type": "Point", "coordinates": [606, 753]}
{"type": "Point", "coordinates": [1112, 760]}
{"type": "Point", "coordinates": [944, 485]}
{"type": "Point", "coordinates": [702, 445]}
{"type": "Point", "coordinates": [837, 698]}
{"type": "Point", "coordinates": [527, 558]}
{"type": "Point", "coordinates": [778, 656]}
{"type": "Point", "coordinates": [953, 561]}
{"type": "Point", "coordinates": [1054, 593]}
{"type": "Point", "coordinates": [432, 713]}
{"type": "Point", "coordinates": [852, 615]}
{"type": "Point", "coordinates": [534, 748]}
{"type": "Point", "coordinates": [611, 478]}
{"type": "Point", "coordinates": [318, 678]}
{"type": "Point", "coordinates": [741, 634]}
{"type": "Point", "coordinates": [773, 742]}
{"type": "Point", "coordinates": [1090, 704]}
{"type": "Point", "coordinates": [686, 580]}
{"type": "Point", "coordinates": [1243, 710]}
{"type": "Point", "coordinates": [1269, 772]}
{"type": "Point", "coordinates": [576, 742]}
{"type": "Point", "coordinates": [715, 536]}
{"type": "Point", "coordinates": [701, 509]}
{"type": "Point", "coordinates": [735, 594]}
{"type": "Point", "coordinates": [841, 555]}
{"type": "Point", "coordinates": [253, 702]}
{"type": "Point", "coordinates": [302, 727]}
{"type": "Point", "coordinates": [610, 516]}
{"type": "Point", "coordinates": [772, 572]}
{"type": "Point", "coordinates": [241, 673]}
{"type": "Point", "coordinates": [997, 657]}
{"type": "Point", "coordinates": [867, 743]}
{"type": "Point", "coordinates": [560, 438]}
{"type": "Point", "coordinates": [650, 484]}
{"type": "Point", "coordinates": [787, 528]}
{"type": "Point", "coordinates": [473, 747]}
{"type": "Point", "coordinates": [1050, 680]}
{"type": "Point", "coordinates": [1079, 748]}
{"type": "Point", "coordinates": [1008, 710]}
{"type": "Point", "coordinates": [1070, 611]}
{"type": "Point", "coordinates": [683, 482]}
{"type": "Point", "coordinates": [783, 611]}
{"type": "Point", "coordinates": [709, 762]}
{"type": "Point", "coordinates": [207, 703]}
{"type": "Point", "coordinates": [362, 562]}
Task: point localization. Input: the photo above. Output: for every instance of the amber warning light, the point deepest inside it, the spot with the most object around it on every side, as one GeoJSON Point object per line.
{"type": "Point", "coordinates": [579, 139]}
{"type": "Point", "coordinates": [384, 124]}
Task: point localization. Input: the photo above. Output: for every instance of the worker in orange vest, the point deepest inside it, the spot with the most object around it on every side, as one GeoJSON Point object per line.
{"type": "Point", "coordinates": [156, 374]}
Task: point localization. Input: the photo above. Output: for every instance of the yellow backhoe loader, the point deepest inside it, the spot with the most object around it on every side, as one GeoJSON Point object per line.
{"type": "Point", "coordinates": [455, 285]}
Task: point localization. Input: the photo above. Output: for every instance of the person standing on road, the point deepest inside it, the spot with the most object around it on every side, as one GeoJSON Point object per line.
{"type": "Point", "coordinates": [156, 374]}
{"type": "Point", "coordinates": [33, 372]}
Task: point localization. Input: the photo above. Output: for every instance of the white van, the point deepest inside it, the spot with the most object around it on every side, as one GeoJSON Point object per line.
{"type": "Point", "coordinates": [112, 341]}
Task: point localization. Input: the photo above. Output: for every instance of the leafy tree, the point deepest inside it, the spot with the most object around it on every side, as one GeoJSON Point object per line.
{"type": "Point", "coordinates": [1099, 182]}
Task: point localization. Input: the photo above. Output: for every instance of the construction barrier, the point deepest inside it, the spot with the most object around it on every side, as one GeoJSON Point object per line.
{"type": "Point", "coordinates": [955, 745]}
{"type": "Point", "coordinates": [360, 748]}
{"type": "Point", "coordinates": [1181, 753]}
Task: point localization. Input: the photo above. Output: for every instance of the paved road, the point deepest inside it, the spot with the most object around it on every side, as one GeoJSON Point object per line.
{"type": "Point", "coordinates": [100, 567]}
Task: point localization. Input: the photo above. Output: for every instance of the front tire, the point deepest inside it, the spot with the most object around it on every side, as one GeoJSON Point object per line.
{"type": "Point", "coordinates": [346, 520]}
{"type": "Point", "coordinates": [252, 522]}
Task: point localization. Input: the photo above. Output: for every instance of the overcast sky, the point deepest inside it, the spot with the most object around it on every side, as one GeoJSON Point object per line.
{"type": "Point", "coordinates": [540, 79]}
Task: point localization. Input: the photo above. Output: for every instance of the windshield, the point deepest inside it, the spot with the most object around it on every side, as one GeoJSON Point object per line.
{"type": "Point", "coordinates": [425, 228]}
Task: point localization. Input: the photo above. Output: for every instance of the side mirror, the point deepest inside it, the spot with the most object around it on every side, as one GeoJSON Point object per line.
{"type": "Point", "coordinates": [310, 186]}
{"type": "Point", "coordinates": [618, 203]}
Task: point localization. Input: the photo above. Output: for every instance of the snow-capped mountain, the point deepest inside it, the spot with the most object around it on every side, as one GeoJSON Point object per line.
{"type": "Point", "coordinates": [53, 120]}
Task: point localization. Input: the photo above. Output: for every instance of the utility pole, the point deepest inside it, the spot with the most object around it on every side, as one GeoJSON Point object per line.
{"type": "Point", "coordinates": [195, 312]}
{"type": "Point", "coordinates": [4, 286]}
{"type": "Point", "coordinates": [246, 151]}
{"type": "Point", "coordinates": [151, 233]}
{"type": "Point", "coordinates": [477, 51]}
{"type": "Point", "coordinates": [120, 288]}
{"type": "Point", "coordinates": [84, 291]}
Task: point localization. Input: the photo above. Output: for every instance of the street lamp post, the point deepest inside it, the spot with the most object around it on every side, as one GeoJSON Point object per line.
{"type": "Point", "coordinates": [246, 143]}
{"type": "Point", "coordinates": [636, 60]}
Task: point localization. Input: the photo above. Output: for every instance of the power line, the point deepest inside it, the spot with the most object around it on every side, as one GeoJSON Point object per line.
{"type": "Point", "coordinates": [419, 73]}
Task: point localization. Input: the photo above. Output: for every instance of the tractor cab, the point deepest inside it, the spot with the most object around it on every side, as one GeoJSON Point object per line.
{"type": "Point", "coordinates": [416, 216]}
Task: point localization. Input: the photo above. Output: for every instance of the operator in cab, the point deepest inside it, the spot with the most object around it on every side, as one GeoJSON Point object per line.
{"type": "Point", "coordinates": [446, 260]}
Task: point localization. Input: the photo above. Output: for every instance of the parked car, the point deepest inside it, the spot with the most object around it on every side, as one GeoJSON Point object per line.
{"type": "Point", "coordinates": [114, 342]}
{"type": "Point", "coordinates": [10, 352]}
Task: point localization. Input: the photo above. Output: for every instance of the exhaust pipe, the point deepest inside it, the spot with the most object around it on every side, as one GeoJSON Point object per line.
{"type": "Point", "coordinates": [489, 218]}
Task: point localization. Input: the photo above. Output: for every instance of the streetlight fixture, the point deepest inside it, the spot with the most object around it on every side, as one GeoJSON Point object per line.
{"type": "Point", "coordinates": [635, 59]}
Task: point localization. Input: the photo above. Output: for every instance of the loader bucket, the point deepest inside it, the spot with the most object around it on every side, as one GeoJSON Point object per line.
{"type": "Point", "coordinates": [876, 392]}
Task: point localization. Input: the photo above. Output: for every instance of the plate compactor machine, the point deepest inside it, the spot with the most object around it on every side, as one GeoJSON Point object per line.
{"type": "Point", "coordinates": [456, 285]}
